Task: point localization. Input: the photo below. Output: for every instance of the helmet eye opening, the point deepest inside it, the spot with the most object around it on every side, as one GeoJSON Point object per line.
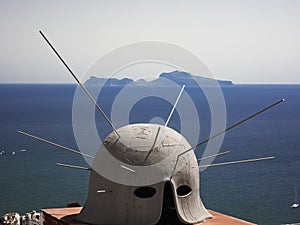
{"type": "Point", "coordinates": [145, 192]}
{"type": "Point", "coordinates": [183, 191]}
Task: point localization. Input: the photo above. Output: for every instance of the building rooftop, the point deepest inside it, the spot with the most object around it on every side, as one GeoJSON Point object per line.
{"type": "Point", "coordinates": [63, 216]}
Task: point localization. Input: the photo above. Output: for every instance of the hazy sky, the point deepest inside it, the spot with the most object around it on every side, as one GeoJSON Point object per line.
{"type": "Point", "coordinates": [247, 41]}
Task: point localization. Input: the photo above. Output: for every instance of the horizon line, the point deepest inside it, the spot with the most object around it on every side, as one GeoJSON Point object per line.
{"type": "Point", "coordinates": [74, 83]}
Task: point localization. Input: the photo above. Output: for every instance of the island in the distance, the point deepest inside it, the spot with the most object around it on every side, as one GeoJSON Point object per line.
{"type": "Point", "coordinates": [178, 77]}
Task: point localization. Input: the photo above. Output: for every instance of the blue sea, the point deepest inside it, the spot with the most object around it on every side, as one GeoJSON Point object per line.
{"type": "Point", "coordinates": [259, 192]}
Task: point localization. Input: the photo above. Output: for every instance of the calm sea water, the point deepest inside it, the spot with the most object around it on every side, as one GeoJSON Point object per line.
{"type": "Point", "coordinates": [259, 192]}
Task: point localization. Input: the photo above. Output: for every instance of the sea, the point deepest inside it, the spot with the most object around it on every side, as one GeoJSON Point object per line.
{"type": "Point", "coordinates": [260, 192]}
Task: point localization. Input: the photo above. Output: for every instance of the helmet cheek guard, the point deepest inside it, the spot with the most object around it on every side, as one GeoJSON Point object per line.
{"type": "Point", "coordinates": [185, 185]}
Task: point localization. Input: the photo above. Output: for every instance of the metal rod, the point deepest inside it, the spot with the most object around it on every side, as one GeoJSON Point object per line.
{"type": "Point", "coordinates": [236, 162]}
{"type": "Point", "coordinates": [155, 140]}
{"type": "Point", "coordinates": [54, 144]}
{"type": "Point", "coordinates": [215, 155]}
{"type": "Point", "coordinates": [234, 125]}
{"type": "Point", "coordinates": [176, 102]}
{"type": "Point", "coordinates": [72, 166]}
{"type": "Point", "coordinates": [239, 123]}
{"type": "Point", "coordinates": [227, 129]}
{"type": "Point", "coordinates": [77, 80]}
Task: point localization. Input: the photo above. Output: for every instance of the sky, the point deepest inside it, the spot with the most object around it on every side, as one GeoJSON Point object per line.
{"type": "Point", "coordinates": [246, 41]}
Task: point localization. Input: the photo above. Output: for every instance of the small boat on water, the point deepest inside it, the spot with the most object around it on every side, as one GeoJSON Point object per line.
{"type": "Point", "coordinates": [296, 203]}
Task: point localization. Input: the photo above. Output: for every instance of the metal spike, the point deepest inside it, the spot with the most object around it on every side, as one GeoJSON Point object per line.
{"type": "Point", "coordinates": [77, 80]}
{"type": "Point", "coordinates": [176, 102]}
{"type": "Point", "coordinates": [215, 155]}
{"type": "Point", "coordinates": [237, 162]}
{"type": "Point", "coordinates": [54, 144]}
{"type": "Point", "coordinates": [72, 166]}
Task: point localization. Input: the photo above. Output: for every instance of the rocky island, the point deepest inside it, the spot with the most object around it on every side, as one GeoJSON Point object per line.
{"type": "Point", "coordinates": [178, 77]}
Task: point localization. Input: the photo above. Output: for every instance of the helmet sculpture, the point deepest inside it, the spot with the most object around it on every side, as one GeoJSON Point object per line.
{"type": "Point", "coordinates": [112, 202]}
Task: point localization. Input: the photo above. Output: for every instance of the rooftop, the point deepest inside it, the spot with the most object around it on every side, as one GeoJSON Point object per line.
{"type": "Point", "coordinates": [66, 216]}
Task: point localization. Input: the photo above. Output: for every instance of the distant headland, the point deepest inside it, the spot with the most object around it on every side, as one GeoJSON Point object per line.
{"type": "Point", "coordinates": [178, 77]}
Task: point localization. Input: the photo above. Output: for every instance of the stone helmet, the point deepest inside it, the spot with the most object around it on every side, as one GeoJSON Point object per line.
{"type": "Point", "coordinates": [137, 178]}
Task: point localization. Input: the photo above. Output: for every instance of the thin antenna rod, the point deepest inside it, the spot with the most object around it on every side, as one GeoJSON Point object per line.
{"type": "Point", "coordinates": [238, 123]}
{"type": "Point", "coordinates": [176, 102]}
{"type": "Point", "coordinates": [77, 80]}
{"type": "Point", "coordinates": [155, 140]}
{"type": "Point", "coordinates": [54, 144]}
{"type": "Point", "coordinates": [72, 166]}
{"type": "Point", "coordinates": [236, 162]}
{"type": "Point", "coordinates": [227, 129]}
{"type": "Point", "coordinates": [166, 124]}
{"type": "Point", "coordinates": [215, 155]}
